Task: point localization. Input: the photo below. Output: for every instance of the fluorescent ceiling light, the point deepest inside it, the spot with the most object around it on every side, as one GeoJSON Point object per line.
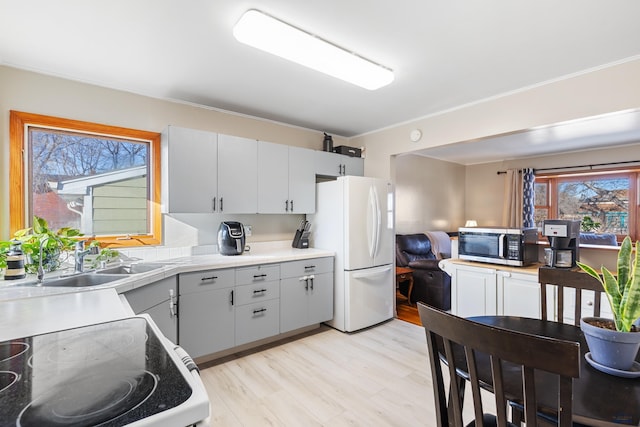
{"type": "Point", "coordinates": [279, 38]}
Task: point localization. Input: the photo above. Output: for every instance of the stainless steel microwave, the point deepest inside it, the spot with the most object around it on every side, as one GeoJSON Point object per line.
{"type": "Point", "coordinates": [500, 245]}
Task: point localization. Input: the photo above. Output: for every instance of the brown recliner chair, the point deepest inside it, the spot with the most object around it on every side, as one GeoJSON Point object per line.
{"type": "Point", "coordinates": [430, 284]}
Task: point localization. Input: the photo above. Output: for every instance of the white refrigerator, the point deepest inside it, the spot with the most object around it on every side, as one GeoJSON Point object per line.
{"type": "Point", "coordinates": [354, 218]}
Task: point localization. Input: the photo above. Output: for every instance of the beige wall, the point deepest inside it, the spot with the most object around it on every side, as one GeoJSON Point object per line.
{"type": "Point", "coordinates": [428, 195]}
{"type": "Point", "coordinates": [40, 94]}
{"type": "Point", "coordinates": [600, 91]}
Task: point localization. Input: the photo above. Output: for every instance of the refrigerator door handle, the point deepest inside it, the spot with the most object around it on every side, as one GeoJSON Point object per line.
{"type": "Point", "coordinates": [372, 226]}
{"type": "Point", "coordinates": [378, 221]}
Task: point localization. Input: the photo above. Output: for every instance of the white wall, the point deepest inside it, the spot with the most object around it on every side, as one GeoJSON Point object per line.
{"type": "Point", "coordinates": [40, 94]}
{"type": "Point", "coordinates": [428, 194]}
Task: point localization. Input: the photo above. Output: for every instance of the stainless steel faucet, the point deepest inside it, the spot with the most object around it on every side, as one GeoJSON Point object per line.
{"type": "Point", "coordinates": [80, 253]}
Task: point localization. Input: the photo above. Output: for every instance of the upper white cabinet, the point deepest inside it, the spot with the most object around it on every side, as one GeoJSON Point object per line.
{"type": "Point", "coordinates": [334, 164]}
{"type": "Point", "coordinates": [286, 179]}
{"type": "Point", "coordinates": [237, 175]}
{"type": "Point", "coordinates": [189, 177]}
{"type": "Point", "coordinates": [205, 172]}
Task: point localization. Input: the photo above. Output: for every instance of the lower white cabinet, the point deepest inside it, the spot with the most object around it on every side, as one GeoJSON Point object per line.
{"type": "Point", "coordinates": [519, 295]}
{"type": "Point", "coordinates": [257, 311]}
{"type": "Point", "coordinates": [306, 293]}
{"type": "Point", "coordinates": [473, 291]}
{"type": "Point", "coordinates": [206, 311]}
{"type": "Point", "coordinates": [158, 300]}
{"type": "Point", "coordinates": [222, 309]}
{"type": "Point", "coordinates": [478, 290]}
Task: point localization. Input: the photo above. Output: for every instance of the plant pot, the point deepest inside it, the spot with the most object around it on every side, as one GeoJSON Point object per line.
{"type": "Point", "coordinates": [608, 347]}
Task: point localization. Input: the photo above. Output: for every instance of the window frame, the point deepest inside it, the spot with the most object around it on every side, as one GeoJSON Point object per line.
{"type": "Point", "coordinates": [20, 121]}
{"type": "Point", "coordinates": [553, 180]}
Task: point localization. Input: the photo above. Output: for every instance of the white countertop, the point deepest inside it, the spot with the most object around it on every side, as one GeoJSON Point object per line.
{"type": "Point", "coordinates": [20, 289]}
{"type": "Point", "coordinates": [32, 316]}
{"type": "Point", "coordinates": [26, 309]}
{"type": "Point", "coordinates": [530, 269]}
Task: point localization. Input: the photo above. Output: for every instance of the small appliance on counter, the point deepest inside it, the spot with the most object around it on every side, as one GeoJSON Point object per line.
{"type": "Point", "coordinates": [301, 238]}
{"type": "Point", "coordinates": [564, 242]}
{"type": "Point", "coordinates": [231, 238]}
{"type": "Point", "coordinates": [348, 151]}
{"type": "Point", "coordinates": [499, 245]}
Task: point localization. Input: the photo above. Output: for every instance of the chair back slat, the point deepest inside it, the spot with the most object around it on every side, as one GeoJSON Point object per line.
{"type": "Point", "coordinates": [475, 383]}
{"type": "Point", "coordinates": [481, 353]}
{"type": "Point", "coordinates": [569, 279]}
{"type": "Point", "coordinates": [530, 402]}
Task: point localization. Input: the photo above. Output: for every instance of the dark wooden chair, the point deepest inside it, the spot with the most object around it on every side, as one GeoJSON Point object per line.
{"type": "Point", "coordinates": [481, 354]}
{"type": "Point", "coordinates": [569, 279]}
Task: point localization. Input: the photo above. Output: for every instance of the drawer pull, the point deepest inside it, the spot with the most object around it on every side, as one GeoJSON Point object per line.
{"type": "Point", "coordinates": [205, 279]}
{"type": "Point", "coordinates": [309, 267]}
{"type": "Point", "coordinates": [259, 276]}
{"type": "Point", "coordinates": [259, 291]}
{"type": "Point", "coordinates": [262, 310]}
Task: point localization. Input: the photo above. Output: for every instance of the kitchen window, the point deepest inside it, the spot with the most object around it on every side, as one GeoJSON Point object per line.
{"type": "Point", "coordinates": [103, 180]}
{"type": "Point", "coordinates": [605, 200]}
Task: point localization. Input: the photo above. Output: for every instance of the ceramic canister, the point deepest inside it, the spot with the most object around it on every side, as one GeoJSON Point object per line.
{"type": "Point", "coordinates": [15, 262]}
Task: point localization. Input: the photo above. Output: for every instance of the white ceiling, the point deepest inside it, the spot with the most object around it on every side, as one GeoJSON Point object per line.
{"type": "Point", "coordinates": [444, 53]}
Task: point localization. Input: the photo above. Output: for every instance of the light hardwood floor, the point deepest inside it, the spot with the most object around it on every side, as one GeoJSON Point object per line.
{"type": "Point", "coordinates": [375, 377]}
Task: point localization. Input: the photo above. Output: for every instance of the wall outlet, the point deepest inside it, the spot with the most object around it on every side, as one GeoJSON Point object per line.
{"type": "Point", "coordinates": [247, 230]}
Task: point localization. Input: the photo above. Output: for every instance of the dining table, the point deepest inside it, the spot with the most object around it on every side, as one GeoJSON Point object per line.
{"type": "Point", "coordinates": [599, 399]}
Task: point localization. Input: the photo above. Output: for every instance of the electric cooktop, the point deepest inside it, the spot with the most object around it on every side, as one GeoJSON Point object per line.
{"type": "Point", "coordinates": [109, 374]}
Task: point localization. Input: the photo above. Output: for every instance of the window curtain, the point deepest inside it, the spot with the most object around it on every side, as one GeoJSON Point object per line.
{"type": "Point", "coordinates": [518, 198]}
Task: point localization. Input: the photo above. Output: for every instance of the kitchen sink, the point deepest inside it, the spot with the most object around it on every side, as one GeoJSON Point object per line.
{"type": "Point", "coordinates": [80, 280]}
{"type": "Point", "coordinates": [130, 269]}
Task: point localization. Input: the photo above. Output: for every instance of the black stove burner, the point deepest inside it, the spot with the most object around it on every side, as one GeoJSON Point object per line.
{"type": "Point", "coordinates": [90, 400]}
{"type": "Point", "coordinates": [11, 349]}
{"type": "Point", "coordinates": [110, 374]}
{"type": "Point", "coordinates": [7, 379]}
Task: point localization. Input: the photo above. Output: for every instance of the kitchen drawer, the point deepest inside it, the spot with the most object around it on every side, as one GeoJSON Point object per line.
{"type": "Point", "coordinates": [257, 321]}
{"type": "Point", "coordinates": [206, 280]}
{"type": "Point", "coordinates": [257, 274]}
{"type": "Point", "coordinates": [307, 266]}
{"type": "Point", "coordinates": [263, 291]}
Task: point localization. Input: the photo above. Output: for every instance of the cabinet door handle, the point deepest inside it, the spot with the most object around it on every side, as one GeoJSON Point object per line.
{"type": "Point", "coordinates": [232, 297]}
{"type": "Point", "coordinates": [311, 280]}
{"type": "Point", "coordinates": [262, 310]}
{"type": "Point", "coordinates": [259, 291]}
{"type": "Point", "coordinates": [221, 205]}
{"type": "Point", "coordinates": [286, 206]}
{"type": "Point", "coordinates": [291, 205]}
{"type": "Point", "coordinates": [172, 304]}
{"type": "Point", "coordinates": [305, 279]}
{"type": "Point", "coordinates": [213, 204]}
{"type": "Point", "coordinates": [204, 279]}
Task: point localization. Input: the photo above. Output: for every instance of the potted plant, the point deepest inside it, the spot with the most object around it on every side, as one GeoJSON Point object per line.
{"type": "Point", "coordinates": [615, 343]}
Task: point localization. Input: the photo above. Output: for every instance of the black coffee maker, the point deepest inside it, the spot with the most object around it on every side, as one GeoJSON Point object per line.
{"type": "Point", "coordinates": [231, 238]}
{"type": "Point", "coordinates": [564, 242]}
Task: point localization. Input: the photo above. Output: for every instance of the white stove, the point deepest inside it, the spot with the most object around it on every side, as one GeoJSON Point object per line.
{"type": "Point", "coordinates": [122, 372]}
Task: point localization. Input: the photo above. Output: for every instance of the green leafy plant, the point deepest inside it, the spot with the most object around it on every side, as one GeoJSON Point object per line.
{"type": "Point", "coordinates": [54, 244]}
{"type": "Point", "coordinates": [623, 289]}
{"type": "Point", "coordinates": [107, 255]}
{"type": "Point", "coordinates": [588, 224]}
